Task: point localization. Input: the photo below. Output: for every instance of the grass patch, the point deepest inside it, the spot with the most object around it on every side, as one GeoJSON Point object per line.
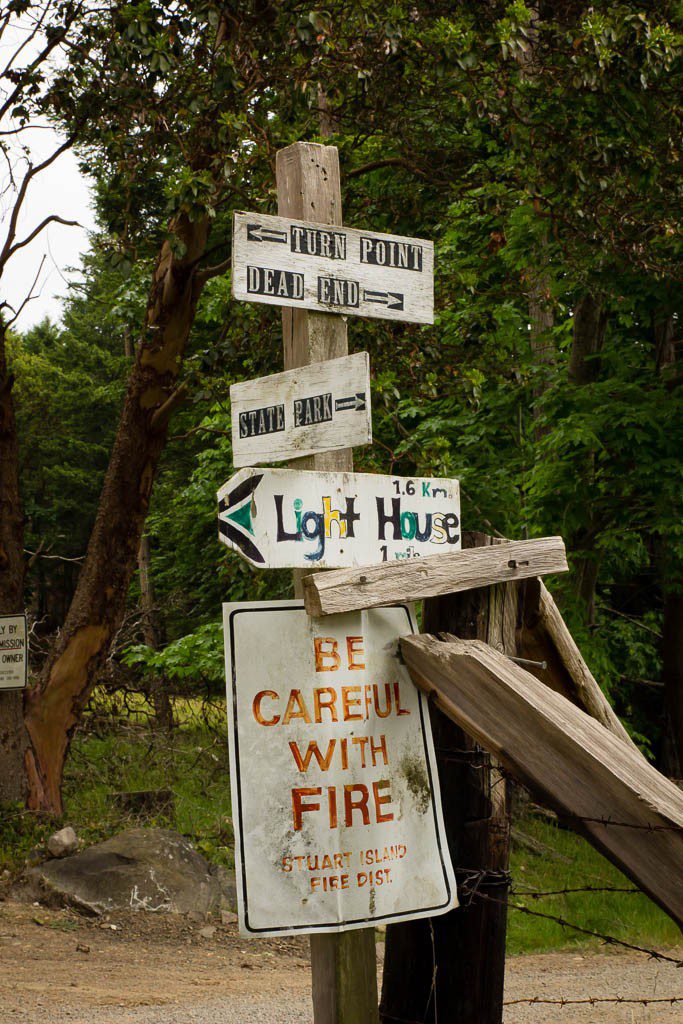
{"type": "Point", "coordinates": [569, 863]}
{"type": "Point", "coordinates": [117, 751]}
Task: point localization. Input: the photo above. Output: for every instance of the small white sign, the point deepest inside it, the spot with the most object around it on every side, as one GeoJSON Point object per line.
{"type": "Point", "coordinates": [283, 518]}
{"type": "Point", "coordinates": [334, 785]}
{"type": "Point", "coordinates": [332, 269]}
{"type": "Point", "coordinates": [316, 408]}
{"type": "Point", "coordinates": [13, 652]}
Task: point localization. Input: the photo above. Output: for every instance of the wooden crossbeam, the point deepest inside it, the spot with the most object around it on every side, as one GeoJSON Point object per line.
{"type": "Point", "coordinates": [344, 590]}
{"type": "Point", "coordinates": [621, 804]}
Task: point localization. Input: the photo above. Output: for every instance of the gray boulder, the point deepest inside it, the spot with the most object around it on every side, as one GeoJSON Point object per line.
{"type": "Point", "coordinates": [63, 843]}
{"type": "Point", "coordinates": [141, 869]}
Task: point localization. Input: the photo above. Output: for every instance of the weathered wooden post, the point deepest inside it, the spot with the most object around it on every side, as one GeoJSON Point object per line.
{"type": "Point", "coordinates": [309, 188]}
{"type": "Point", "coordinates": [452, 968]}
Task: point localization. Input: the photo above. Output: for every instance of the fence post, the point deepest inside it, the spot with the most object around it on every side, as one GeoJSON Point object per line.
{"type": "Point", "coordinates": [309, 188]}
{"type": "Point", "coordinates": [452, 968]}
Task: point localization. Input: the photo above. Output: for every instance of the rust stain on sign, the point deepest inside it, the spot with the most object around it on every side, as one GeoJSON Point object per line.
{"type": "Point", "coordinates": [334, 787]}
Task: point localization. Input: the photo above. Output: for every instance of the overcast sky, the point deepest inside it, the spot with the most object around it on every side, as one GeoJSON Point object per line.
{"type": "Point", "coordinates": [61, 189]}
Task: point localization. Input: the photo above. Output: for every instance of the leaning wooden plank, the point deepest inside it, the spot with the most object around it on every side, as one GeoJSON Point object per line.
{"type": "Point", "coordinates": [576, 765]}
{"type": "Point", "coordinates": [385, 583]}
{"type": "Point", "coordinates": [544, 637]}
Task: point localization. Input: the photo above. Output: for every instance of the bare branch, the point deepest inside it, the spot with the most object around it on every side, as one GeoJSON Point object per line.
{"type": "Point", "coordinates": [207, 273]}
{"type": "Point", "coordinates": [52, 219]}
{"type": "Point", "coordinates": [33, 170]}
{"type": "Point", "coordinates": [29, 297]}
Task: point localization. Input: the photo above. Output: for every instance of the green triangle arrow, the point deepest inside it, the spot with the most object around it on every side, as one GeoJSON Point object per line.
{"type": "Point", "coordinates": [242, 516]}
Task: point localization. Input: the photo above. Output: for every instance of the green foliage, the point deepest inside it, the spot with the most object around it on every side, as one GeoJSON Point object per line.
{"type": "Point", "coordinates": [117, 752]}
{"type": "Point", "coordinates": [566, 861]}
{"type": "Point", "coordinates": [537, 145]}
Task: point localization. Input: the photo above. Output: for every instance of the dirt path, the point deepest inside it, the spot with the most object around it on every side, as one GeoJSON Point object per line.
{"type": "Point", "coordinates": [143, 969]}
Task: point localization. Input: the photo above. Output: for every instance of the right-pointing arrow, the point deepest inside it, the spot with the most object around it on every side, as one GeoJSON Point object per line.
{"type": "Point", "coordinates": [355, 402]}
{"type": "Point", "coordinates": [392, 300]}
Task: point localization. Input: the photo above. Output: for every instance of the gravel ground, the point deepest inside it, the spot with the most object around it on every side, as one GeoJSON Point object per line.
{"type": "Point", "coordinates": [56, 968]}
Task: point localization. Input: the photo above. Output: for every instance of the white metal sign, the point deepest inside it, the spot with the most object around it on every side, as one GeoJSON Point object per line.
{"type": "Point", "coordinates": [317, 408]}
{"type": "Point", "coordinates": [344, 827]}
{"type": "Point", "coordinates": [13, 652]}
{"type": "Point", "coordinates": [332, 269]}
{"type": "Point", "coordinates": [282, 518]}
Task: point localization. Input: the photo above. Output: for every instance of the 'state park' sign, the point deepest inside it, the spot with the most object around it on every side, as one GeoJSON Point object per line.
{"type": "Point", "coordinates": [344, 827]}
{"type": "Point", "coordinates": [282, 518]}
{"type": "Point", "coordinates": [332, 269]}
{"type": "Point", "coordinates": [321, 407]}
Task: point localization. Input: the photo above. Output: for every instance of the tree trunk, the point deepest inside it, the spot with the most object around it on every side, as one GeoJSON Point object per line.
{"type": "Point", "coordinates": [56, 702]}
{"type": "Point", "coordinates": [672, 675]}
{"type": "Point", "coordinates": [151, 631]}
{"type": "Point", "coordinates": [13, 739]}
{"type": "Point", "coordinates": [541, 322]}
{"type": "Point", "coordinates": [588, 336]}
{"type": "Point", "coordinates": [590, 322]}
{"type": "Point", "coordinates": [672, 645]}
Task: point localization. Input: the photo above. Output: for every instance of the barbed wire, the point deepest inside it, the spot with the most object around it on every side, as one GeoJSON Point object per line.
{"type": "Point", "coordinates": [611, 940]}
{"type": "Point", "coordinates": [562, 1001]}
{"type": "Point", "coordinates": [593, 1000]}
{"type": "Point", "coordinates": [623, 824]}
{"type": "Point", "coordinates": [534, 894]}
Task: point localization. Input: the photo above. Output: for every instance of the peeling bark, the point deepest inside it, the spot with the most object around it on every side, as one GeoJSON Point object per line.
{"type": "Point", "coordinates": [56, 702]}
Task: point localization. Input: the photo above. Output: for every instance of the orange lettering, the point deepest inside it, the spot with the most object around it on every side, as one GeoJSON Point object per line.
{"type": "Point", "coordinates": [302, 763]}
{"type": "Point", "coordinates": [321, 655]}
{"type": "Point", "coordinates": [397, 698]}
{"type": "Point", "coordinates": [296, 700]}
{"type": "Point", "coordinates": [351, 805]}
{"type": "Point", "coordinates": [380, 800]}
{"type": "Point", "coordinates": [379, 748]}
{"type": "Point", "coordinates": [325, 698]}
{"type": "Point", "coordinates": [256, 708]}
{"type": "Point", "coordinates": [349, 702]}
{"type": "Point", "coordinates": [354, 646]}
{"type": "Point", "coordinates": [298, 806]}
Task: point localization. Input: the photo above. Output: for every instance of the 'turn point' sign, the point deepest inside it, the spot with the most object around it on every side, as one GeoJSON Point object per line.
{"type": "Point", "coordinates": [332, 269]}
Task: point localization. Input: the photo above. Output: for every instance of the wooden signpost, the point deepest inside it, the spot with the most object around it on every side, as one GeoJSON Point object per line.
{"type": "Point", "coordinates": [13, 652]}
{"type": "Point", "coordinates": [391, 539]}
{"type": "Point", "coordinates": [282, 518]}
{"type": "Point", "coordinates": [332, 269]}
{"type": "Point", "coordinates": [579, 767]}
{"type": "Point", "coordinates": [316, 408]}
{"type": "Point", "coordinates": [374, 585]}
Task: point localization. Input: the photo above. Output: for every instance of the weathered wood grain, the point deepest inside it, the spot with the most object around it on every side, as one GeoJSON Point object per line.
{"type": "Point", "coordinates": [343, 967]}
{"type": "Point", "coordinates": [303, 263]}
{"type": "Point", "coordinates": [309, 409]}
{"type": "Point", "coordinates": [464, 948]}
{"type": "Point", "coordinates": [544, 637]}
{"type": "Point", "coordinates": [573, 762]}
{"type": "Point", "coordinates": [430, 576]}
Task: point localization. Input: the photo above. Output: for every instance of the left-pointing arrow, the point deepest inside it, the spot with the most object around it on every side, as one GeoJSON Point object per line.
{"type": "Point", "coordinates": [257, 233]}
{"type": "Point", "coordinates": [235, 518]}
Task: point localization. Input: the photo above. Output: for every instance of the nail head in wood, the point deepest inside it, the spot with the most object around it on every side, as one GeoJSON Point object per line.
{"type": "Point", "coordinates": [385, 583]}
